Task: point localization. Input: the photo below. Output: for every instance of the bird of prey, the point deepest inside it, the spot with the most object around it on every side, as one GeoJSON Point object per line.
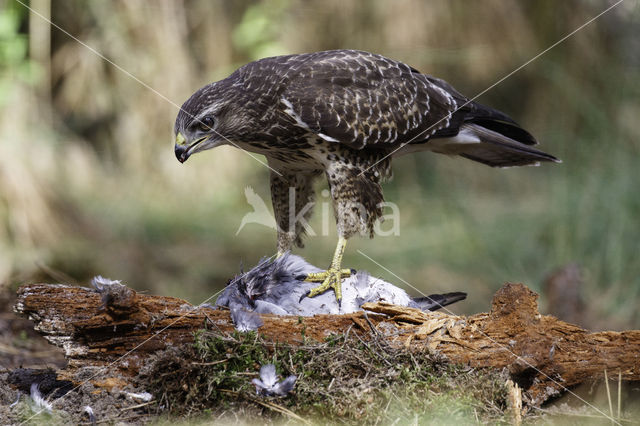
{"type": "Point", "coordinates": [345, 114]}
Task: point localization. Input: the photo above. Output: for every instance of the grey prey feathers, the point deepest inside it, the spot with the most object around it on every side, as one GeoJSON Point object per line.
{"type": "Point", "coordinates": [276, 287]}
{"type": "Point", "coordinates": [269, 385]}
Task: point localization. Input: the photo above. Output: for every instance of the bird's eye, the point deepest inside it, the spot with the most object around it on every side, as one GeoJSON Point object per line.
{"type": "Point", "coordinates": [205, 124]}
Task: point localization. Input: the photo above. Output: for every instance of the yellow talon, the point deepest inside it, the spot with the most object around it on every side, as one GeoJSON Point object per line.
{"type": "Point", "coordinates": [332, 277]}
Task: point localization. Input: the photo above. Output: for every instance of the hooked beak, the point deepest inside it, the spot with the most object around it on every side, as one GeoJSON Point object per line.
{"type": "Point", "coordinates": [182, 150]}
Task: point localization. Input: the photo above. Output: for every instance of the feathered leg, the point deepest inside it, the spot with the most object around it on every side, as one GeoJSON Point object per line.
{"type": "Point", "coordinates": [293, 198]}
{"type": "Point", "coordinates": [357, 199]}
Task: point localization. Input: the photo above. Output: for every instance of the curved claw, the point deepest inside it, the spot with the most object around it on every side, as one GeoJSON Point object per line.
{"type": "Point", "coordinates": [305, 294]}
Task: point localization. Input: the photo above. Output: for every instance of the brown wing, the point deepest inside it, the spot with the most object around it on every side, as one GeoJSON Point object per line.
{"type": "Point", "coordinates": [362, 99]}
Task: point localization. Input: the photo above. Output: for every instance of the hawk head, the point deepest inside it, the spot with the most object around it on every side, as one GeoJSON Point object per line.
{"type": "Point", "coordinates": [211, 117]}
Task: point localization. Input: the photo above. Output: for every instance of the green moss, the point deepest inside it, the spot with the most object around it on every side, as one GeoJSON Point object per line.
{"type": "Point", "coordinates": [28, 413]}
{"type": "Point", "coordinates": [345, 379]}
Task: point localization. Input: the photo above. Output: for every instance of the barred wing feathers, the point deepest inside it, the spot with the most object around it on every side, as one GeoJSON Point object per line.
{"type": "Point", "coordinates": [360, 99]}
{"type": "Point", "coordinates": [364, 100]}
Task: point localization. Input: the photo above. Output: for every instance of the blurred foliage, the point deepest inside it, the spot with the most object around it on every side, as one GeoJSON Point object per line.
{"type": "Point", "coordinates": [13, 53]}
{"type": "Point", "coordinates": [257, 33]}
{"type": "Point", "coordinates": [89, 184]}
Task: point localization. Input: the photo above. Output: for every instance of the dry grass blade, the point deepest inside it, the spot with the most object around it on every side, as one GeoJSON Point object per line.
{"type": "Point", "coordinates": [268, 404]}
{"type": "Point", "coordinates": [619, 392]}
{"type": "Point", "coordinates": [144, 404]}
{"type": "Point", "coordinates": [606, 382]}
{"type": "Point", "coordinates": [222, 361]}
{"type": "Point", "coordinates": [585, 415]}
{"type": "Point", "coordinates": [56, 274]}
{"type": "Point", "coordinates": [11, 350]}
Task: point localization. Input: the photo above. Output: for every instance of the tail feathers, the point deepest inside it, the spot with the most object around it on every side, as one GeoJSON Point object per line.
{"type": "Point", "coordinates": [487, 146]}
{"type": "Point", "coordinates": [437, 301]}
{"type": "Point", "coordinates": [470, 112]}
{"type": "Point", "coordinates": [498, 150]}
{"type": "Point", "coordinates": [510, 129]}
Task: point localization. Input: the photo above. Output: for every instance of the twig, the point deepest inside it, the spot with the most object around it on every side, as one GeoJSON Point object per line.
{"type": "Point", "coordinates": [619, 391]}
{"type": "Point", "coordinates": [10, 350]}
{"type": "Point", "coordinates": [366, 317]}
{"type": "Point", "coordinates": [268, 404]}
{"type": "Point", "coordinates": [366, 345]}
{"type": "Point", "coordinates": [210, 363]}
{"type": "Point", "coordinates": [57, 275]}
{"type": "Point", "coordinates": [346, 334]}
{"type": "Point", "coordinates": [568, 413]}
{"type": "Point", "coordinates": [118, 419]}
{"type": "Point", "coordinates": [133, 407]}
{"type": "Point", "coordinates": [606, 382]}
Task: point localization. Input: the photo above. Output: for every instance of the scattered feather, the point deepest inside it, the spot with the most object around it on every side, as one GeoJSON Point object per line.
{"type": "Point", "coordinates": [142, 396]}
{"type": "Point", "coordinates": [89, 411]}
{"type": "Point", "coordinates": [16, 401]}
{"type": "Point", "coordinates": [117, 298]}
{"type": "Point", "coordinates": [39, 400]}
{"type": "Point", "coordinates": [268, 384]}
{"type": "Point", "coordinates": [245, 320]}
{"type": "Point", "coordinates": [100, 283]}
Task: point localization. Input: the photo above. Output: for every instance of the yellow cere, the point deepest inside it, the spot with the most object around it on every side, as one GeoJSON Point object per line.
{"type": "Point", "coordinates": [180, 140]}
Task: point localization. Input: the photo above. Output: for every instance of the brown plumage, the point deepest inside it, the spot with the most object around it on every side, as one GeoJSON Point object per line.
{"type": "Point", "coordinates": [346, 114]}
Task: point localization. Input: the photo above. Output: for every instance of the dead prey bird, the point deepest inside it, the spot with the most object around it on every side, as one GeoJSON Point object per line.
{"type": "Point", "coordinates": [345, 114]}
{"type": "Point", "coordinates": [275, 286]}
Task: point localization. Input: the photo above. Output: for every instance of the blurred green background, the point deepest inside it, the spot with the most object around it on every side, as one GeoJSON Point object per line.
{"type": "Point", "coordinates": [89, 183]}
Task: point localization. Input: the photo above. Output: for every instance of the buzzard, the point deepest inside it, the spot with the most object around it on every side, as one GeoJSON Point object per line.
{"type": "Point", "coordinates": [347, 114]}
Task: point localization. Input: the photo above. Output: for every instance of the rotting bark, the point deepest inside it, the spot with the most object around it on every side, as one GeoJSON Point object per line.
{"type": "Point", "coordinates": [543, 354]}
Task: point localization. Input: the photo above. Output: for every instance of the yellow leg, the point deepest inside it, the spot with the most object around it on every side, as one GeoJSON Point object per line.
{"type": "Point", "coordinates": [332, 277]}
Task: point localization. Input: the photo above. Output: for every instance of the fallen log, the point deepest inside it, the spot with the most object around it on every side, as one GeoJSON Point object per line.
{"type": "Point", "coordinates": [542, 354]}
